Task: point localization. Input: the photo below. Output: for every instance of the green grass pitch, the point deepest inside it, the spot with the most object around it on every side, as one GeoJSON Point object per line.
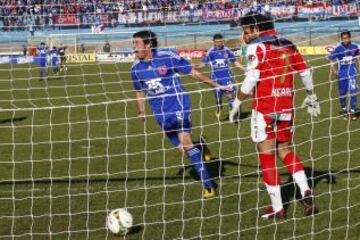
{"type": "Point", "coordinates": [72, 148]}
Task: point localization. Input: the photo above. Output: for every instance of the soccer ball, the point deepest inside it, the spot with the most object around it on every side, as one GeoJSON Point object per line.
{"type": "Point", "coordinates": [119, 221]}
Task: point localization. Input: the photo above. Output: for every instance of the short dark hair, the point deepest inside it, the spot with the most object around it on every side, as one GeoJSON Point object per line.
{"type": "Point", "coordinates": [148, 37]}
{"type": "Point", "coordinates": [217, 36]}
{"type": "Point", "coordinates": [345, 32]}
{"type": "Point", "coordinates": [253, 19]}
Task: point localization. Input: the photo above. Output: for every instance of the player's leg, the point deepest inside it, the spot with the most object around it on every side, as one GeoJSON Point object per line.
{"type": "Point", "coordinates": [64, 64]}
{"type": "Point", "coordinates": [218, 101]}
{"type": "Point", "coordinates": [46, 73]}
{"type": "Point", "coordinates": [54, 69]}
{"type": "Point", "coordinates": [230, 95]}
{"type": "Point", "coordinates": [264, 138]}
{"type": "Point", "coordinates": [197, 163]}
{"type": "Point", "coordinates": [200, 144]}
{"type": "Point", "coordinates": [41, 72]}
{"type": "Point", "coordinates": [296, 169]}
{"type": "Point", "coordinates": [353, 89]}
{"type": "Point", "coordinates": [179, 125]}
{"type": "Point", "coordinates": [343, 90]}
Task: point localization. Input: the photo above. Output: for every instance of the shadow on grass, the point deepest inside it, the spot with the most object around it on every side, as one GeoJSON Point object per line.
{"type": "Point", "coordinates": [289, 189]}
{"type": "Point", "coordinates": [216, 167]}
{"type": "Point", "coordinates": [243, 115]}
{"type": "Point", "coordinates": [135, 230]}
{"type": "Point", "coordinates": [7, 120]}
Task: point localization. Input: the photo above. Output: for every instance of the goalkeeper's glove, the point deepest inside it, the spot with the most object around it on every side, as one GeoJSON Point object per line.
{"type": "Point", "coordinates": [312, 104]}
{"type": "Point", "coordinates": [234, 110]}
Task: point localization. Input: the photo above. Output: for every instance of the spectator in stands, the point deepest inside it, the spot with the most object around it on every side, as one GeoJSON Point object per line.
{"type": "Point", "coordinates": [107, 47]}
{"type": "Point", "coordinates": [24, 49]}
{"type": "Point", "coordinates": [82, 48]}
{"type": "Point", "coordinates": [18, 14]}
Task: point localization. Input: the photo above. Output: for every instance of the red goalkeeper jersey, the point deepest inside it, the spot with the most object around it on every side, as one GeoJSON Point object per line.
{"type": "Point", "coordinates": [277, 60]}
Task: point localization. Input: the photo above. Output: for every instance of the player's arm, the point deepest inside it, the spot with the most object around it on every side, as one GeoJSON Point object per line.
{"type": "Point", "coordinates": [333, 62]}
{"type": "Point", "coordinates": [204, 79]}
{"type": "Point", "coordinates": [199, 66]}
{"type": "Point", "coordinates": [139, 94]}
{"type": "Point", "coordinates": [311, 100]}
{"type": "Point", "coordinates": [140, 103]}
{"type": "Point", "coordinates": [357, 55]}
{"type": "Point", "coordinates": [204, 62]}
{"type": "Point", "coordinates": [255, 55]}
{"type": "Point", "coordinates": [334, 67]}
{"type": "Point", "coordinates": [181, 65]}
{"type": "Point", "coordinates": [235, 61]}
{"type": "Point", "coordinates": [239, 65]}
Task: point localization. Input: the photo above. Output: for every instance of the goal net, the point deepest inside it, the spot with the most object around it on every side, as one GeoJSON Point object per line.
{"type": "Point", "coordinates": [72, 148]}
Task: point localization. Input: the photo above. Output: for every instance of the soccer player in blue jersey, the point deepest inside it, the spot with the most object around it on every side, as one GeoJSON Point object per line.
{"type": "Point", "coordinates": [155, 76]}
{"type": "Point", "coordinates": [54, 55]}
{"type": "Point", "coordinates": [42, 53]}
{"type": "Point", "coordinates": [346, 55]}
{"type": "Point", "coordinates": [219, 57]}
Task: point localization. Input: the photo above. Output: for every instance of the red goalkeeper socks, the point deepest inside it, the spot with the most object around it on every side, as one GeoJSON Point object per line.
{"type": "Point", "coordinates": [272, 180]}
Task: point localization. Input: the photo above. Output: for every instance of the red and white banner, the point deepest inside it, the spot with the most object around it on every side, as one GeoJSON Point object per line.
{"type": "Point", "coordinates": [219, 14]}
{"type": "Point", "coordinates": [192, 53]}
{"type": "Point", "coordinates": [66, 19]}
{"type": "Point", "coordinates": [350, 9]}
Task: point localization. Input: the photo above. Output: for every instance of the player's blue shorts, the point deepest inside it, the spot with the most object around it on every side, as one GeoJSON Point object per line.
{"type": "Point", "coordinates": [174, 122]}
{"type": "Point", "coordinates": [42, 64]}
{"type": "Point", "coordinates": [347, 84]}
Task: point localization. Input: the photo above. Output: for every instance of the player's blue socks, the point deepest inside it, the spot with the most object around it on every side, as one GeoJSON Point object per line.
{"type": "Point", "coordinates": [353, 101]}
{"type": "Point", "coordinates": [196, 159]}
{"type": "Point", "coordinates": [343, 101]}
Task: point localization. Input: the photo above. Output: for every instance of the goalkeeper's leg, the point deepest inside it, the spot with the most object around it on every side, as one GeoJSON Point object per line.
{"type": "Point", "coordinates": [296, 169]}
{"type": "Point", "coordinates": [271, 179]}
{"type": "Point", "coordinates": [265, 139]}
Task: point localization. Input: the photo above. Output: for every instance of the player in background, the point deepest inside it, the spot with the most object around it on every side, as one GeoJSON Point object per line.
{"type": "Point", "coordinates": [54, 56]}
{"type": "Point", "coordinates": [156, 77]}
{"type": "Point", "coordinates": [269, 79]}
{"type": "Point", "coordinates": [62, 55]}
{"type": "Point", "coordinates": [219, 57]}
{"type": "Point", "coordinates": [345, 56]}
{"type": "Point", "coordinates": [42, 54]}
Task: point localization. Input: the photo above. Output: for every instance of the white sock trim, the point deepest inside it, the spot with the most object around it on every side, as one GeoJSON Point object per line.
{"type": "Point", "coordinates": [301, 180]}
{"type": "Point", "coordinates": [275, 196]}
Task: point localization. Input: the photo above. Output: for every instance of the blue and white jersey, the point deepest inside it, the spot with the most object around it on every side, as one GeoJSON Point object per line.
{"type": "Point", "coordinates": [42, 55]}
{"type": "Point", "coordinates": [219, 60]}
{"type": "Point", "coordinates": [346, 56]}
{"type": "Point", "coordinates": [54, 55]}
{"type": "Point", "coordinates": [159, 79]}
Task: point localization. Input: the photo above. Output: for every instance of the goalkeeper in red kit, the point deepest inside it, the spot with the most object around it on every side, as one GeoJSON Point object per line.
{"type": "Point", "coordinates": [272, 63]}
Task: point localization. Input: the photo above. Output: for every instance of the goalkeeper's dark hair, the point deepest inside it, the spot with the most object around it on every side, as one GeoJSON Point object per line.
{"type": "Point", "coordinates": [148, 37]}
{"type": "Point", "coordinates": [254, 19]}
{"type": "Point", "coordinates": [217, 36]}
{"type": "Point", "coordinates": [345, 32]}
